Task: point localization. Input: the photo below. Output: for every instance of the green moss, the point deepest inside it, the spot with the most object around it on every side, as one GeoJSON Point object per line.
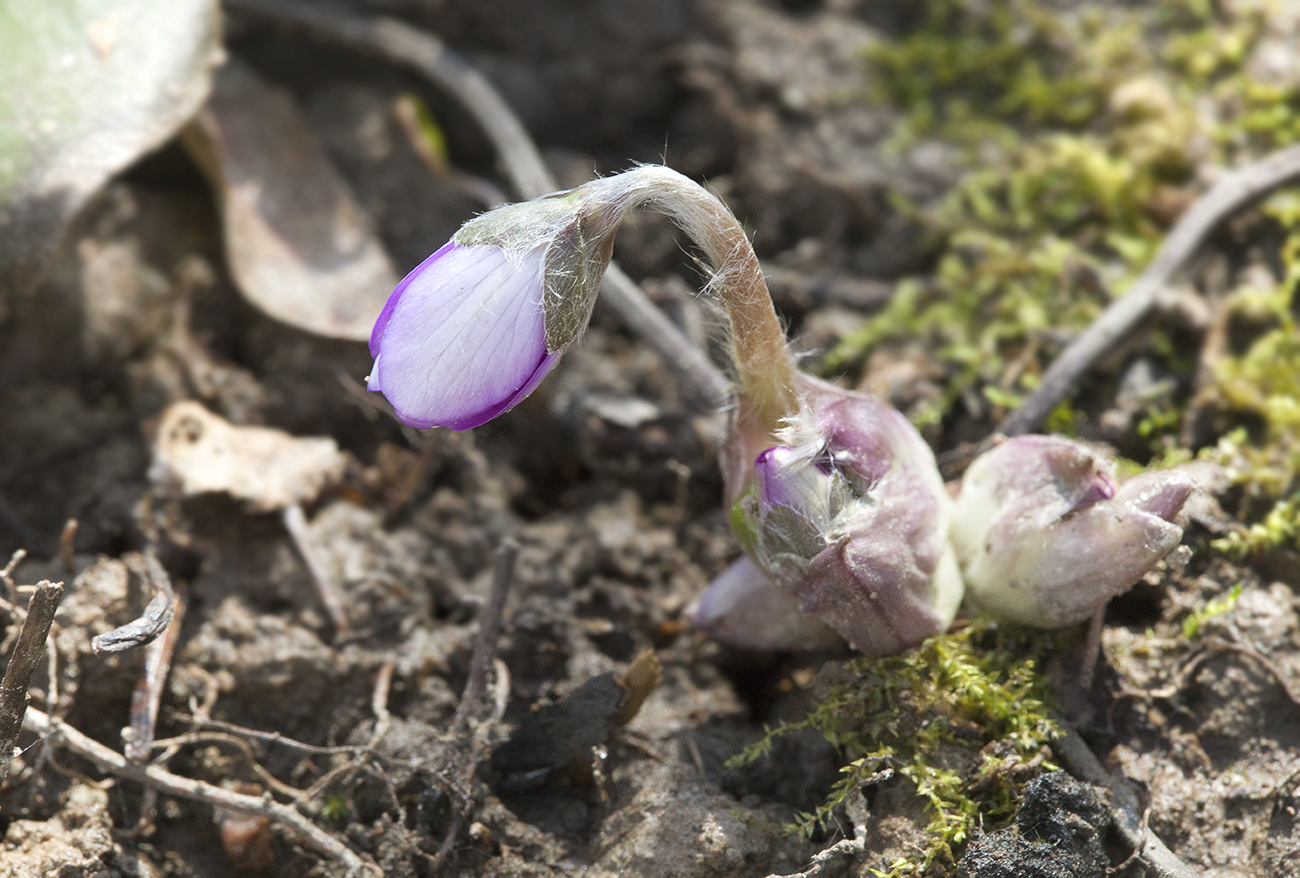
{"type": "Point", "coordinates": [1280, 529]}
{"type": "Point", "coordinates": [1220, 606]}
{"type": "Point", "coordinates": [1261, 384]}
{"type": "Point", "coordinates": [964, 717]}
{"type": "Point", "coordinates": [1075, 127]}
{"type": "Point", "coordinates": [973, 65]}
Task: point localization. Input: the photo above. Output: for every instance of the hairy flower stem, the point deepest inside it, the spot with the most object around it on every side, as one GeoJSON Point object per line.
{"type": "Point", "coordinates": [763, 362]}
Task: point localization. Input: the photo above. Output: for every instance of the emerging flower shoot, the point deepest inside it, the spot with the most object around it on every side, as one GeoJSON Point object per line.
{"type": "Point", "coordinates": [835, 497]}
{"type": "Point", "coordinates": [1044, 536]}
{"type": "Point", "coordinates": [477, 326]}
{"type": "Point", "coordinates": [848, 514]}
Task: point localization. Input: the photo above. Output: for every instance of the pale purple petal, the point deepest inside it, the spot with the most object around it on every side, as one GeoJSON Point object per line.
{"type": "Point", "coordinates": [463, 337]}
{"type": "Point", "coordinates": [745, 608]}
{"type": "Point", "coordinates": [785, 478]}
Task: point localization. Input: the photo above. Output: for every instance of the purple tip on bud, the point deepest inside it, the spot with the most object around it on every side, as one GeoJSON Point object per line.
{"type": "Point", "coordinates": [849, 516]}
{"type": "Point", "coordinates": [463, 337]}
{"type": "Point", "coordinates": [1045, 538]}
{"type": "Point", "coordinates": [790, 479]}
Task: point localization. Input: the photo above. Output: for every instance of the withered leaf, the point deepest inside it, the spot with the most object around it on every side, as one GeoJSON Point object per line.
{"type": "Point", "coordinates": [560, 737]}
{"type": "Point", "coordinates": [299, 245]}
{"type": "Point", "coordinates": [269, 469]}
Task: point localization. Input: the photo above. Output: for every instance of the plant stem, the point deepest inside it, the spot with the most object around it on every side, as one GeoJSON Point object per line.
{"type": "Point", "coordinates": [762, 359]}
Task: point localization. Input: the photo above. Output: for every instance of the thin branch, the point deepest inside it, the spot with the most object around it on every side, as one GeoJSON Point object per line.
{"type": "Point", "coordinates": [147, 695]}
{"type": "Point", "coordinates": [1126, 811]}
{"type": "Point", "coordinates": [295, 522]}
{"type": "Point", "coordinates": [268, 737]}
{"type": "Point", "coordinates": [6, 575]}
{"type": "Point", "coordinates": [153, 621]}
{"type": "Point", "coordinates": [67, 547]}
{"type": "Point", "coordinates": [157, 778]}
{"type": "Point", "coordinates": [489, 629]}
{"type": "Point", "coordinates": [424, 53]}
{"type": "Point", "coordinates": [1234, 192]}
{"type": "Point", "coordinates": [465, 746]}
{"type": "Point", "coordinates": [28, 652]}
{"type": "Point", "coordinates": [379, 702]}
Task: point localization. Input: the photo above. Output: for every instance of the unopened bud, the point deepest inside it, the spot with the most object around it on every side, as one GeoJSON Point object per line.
{"type": "Point", "coordinates": [1045, 538]}
{"type": "Point", "coordinates": [850, 516]}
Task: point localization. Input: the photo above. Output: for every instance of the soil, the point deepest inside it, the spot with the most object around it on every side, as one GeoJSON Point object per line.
{"type": "Point", "coordinates": [605, 479]}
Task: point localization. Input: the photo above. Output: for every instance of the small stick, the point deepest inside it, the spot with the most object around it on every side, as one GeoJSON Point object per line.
{"type": "Point", "coordinates": [6, 575]}
{"type": "Point", "coordinates": [295, 522]}
{"type": "Point", "coordinates": [153, 621]}
{"type": "Point", "coordinates": [1234, 192]}
{"type": "Point", "coordinates": [148, 689]}
{"type": "Point", "coordinates": [421, 51]}
{"type": "Point", "coordinates": [268, 737]}
{"type": "Point", "coordinates": [28, 653]}
{"type": "Point", "coordinates": [155, 777]}
{"type": "Point", "coordinates": [67, 547]}
{"type": "Point", "coordinates": [379, 702]}
{"type": "Point", "coordinates": [1126, 813]}
{"type": "Point", "coordinates": [485, 645]}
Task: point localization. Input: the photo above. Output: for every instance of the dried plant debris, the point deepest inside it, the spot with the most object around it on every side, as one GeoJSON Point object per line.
{"type": "Point", "coordinates": [299, 245]}
{"type": "Point", "coordinates": [1060, 829]}
{"type": "Point", "coordinates": [558, 742]}
{"type": "Point", "coordinates": [202, 453]}
{"type": "Point", "coordinates": [87, 88]}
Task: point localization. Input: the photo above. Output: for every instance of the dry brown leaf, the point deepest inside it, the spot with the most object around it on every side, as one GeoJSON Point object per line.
{"type": "Point", "coordinates": [299, 245]}
{"type": "Point", "coordinates": [270, 469]}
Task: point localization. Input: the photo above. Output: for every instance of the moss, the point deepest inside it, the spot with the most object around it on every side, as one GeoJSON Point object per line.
{"type": "Point", "coordinates": [964, 717]}
{"type": "Point", "coordinates": [1220, 606]}
{"type": "Point", "coordinates": [1260, 384]}
{"type": "Point", "coordinates": [1280, 529]}
{"type": "Point", "coordinates": [1077, 130]}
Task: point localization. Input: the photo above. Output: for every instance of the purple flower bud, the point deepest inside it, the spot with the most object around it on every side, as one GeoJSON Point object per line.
{"type": "Point", "coordinates": [477, 326]}
{"type": "Point", "coordinates": [786, 478]}
{"type": "Point", "coordinates": [744, 607]}
{"type": "Point", "coordinates": [846, 511]}
{"type": "Point", "coordinates": [463, 337]}
{"type": "Point", "coordinates": [1045, 538]}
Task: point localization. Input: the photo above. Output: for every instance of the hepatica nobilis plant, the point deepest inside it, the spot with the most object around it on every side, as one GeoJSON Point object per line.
{"type": "Point", "coordinates": [847, 527]}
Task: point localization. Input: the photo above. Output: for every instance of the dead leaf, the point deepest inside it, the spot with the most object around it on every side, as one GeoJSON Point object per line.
{"type": "Point", "coordinates": [299, 245]}
{"type": "Point", "coordinates": [269, 469]}
{"type": "Point", "coordinates": [85, 90]}
{"type": "Point", "coordinates": [559, 739]}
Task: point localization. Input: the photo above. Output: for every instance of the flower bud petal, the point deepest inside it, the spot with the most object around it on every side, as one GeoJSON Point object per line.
{"type": "Point", "coordinates": [1044, 538]}
{"type": "Point", "coordinates": [463, 337]}
{"type": "Point", "coordinates": [850, 515]}
{"type": "Point", "coordinates": [745, 608]}
{"type": "Point", "coordinates": [883, 592]}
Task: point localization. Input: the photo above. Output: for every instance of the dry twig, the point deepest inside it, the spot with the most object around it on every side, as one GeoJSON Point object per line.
{"type": "Point", "coordinates": [6, 576]}
{"type": "Point", "coordinates": [424, 53]}
{"type": "Point", "coordinates": [1234, 192]}
{"type": "Point", "coordinates": [157, 778]}
{"type": "Point", "coordinates": [295, 522]}
{"type": "Point", "coordinates": [464, 745]}
{"type": "Point", "coordinates": [148, 689]}
{"type": "Point", "coordinates": [153, 621]}
{"type": "Point", "coordinates": [28, 652]}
